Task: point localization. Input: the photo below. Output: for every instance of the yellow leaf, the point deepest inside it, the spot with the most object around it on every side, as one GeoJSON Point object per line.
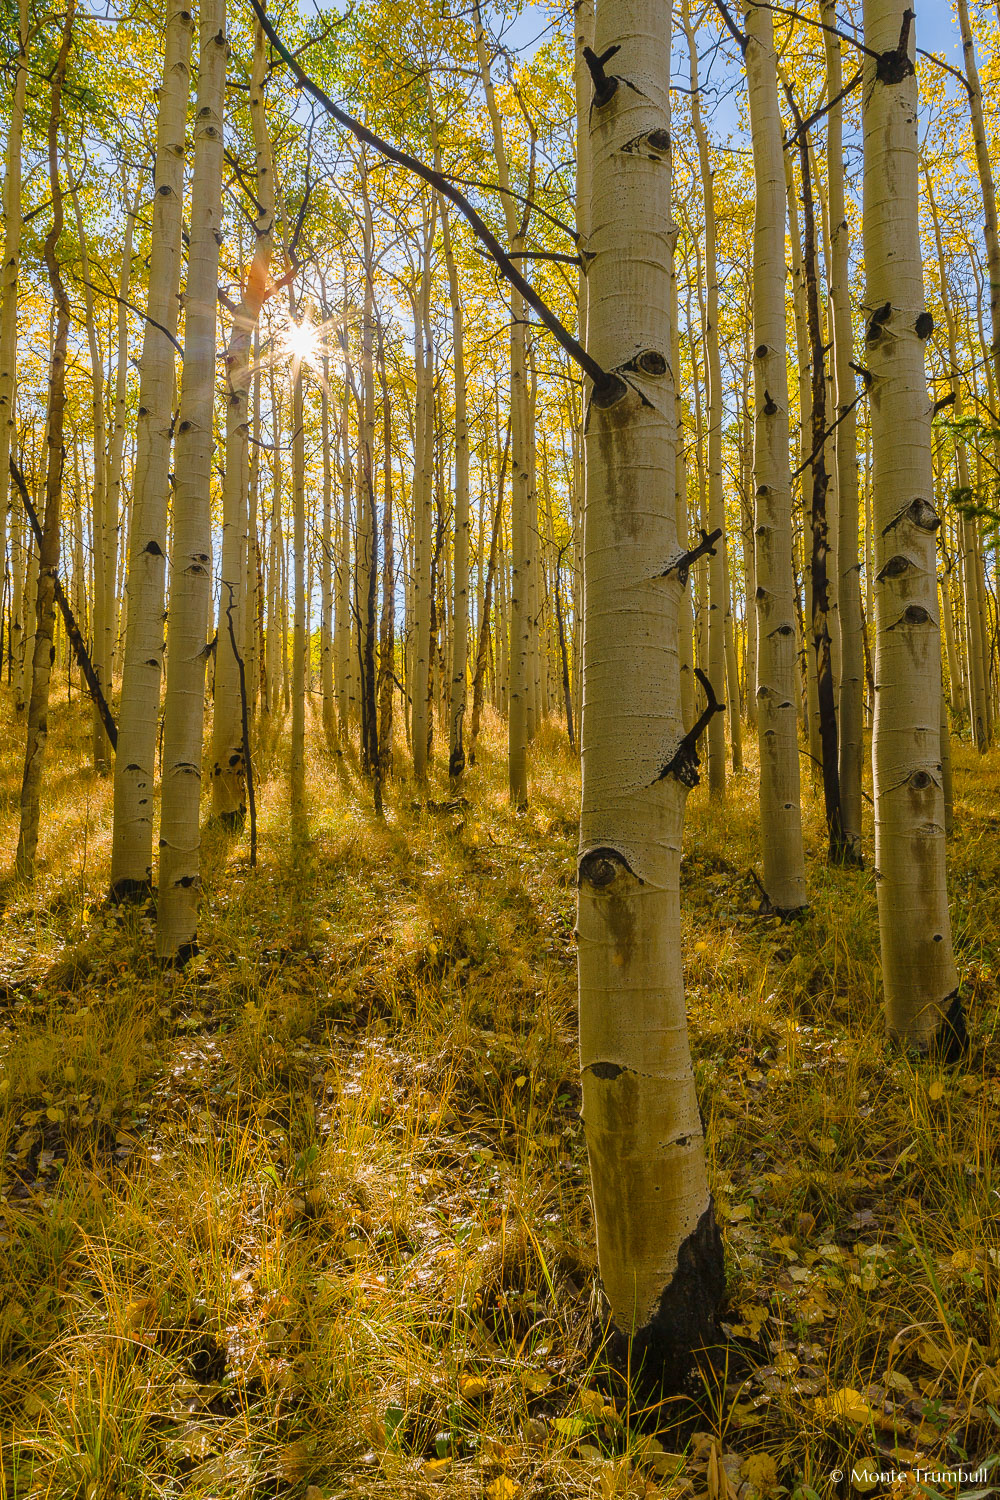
{"type": "Point", "coordinates": [473, 1387]}
{"type": "Point", "coordinates": [535, 1381]}
{"type": "Point", "coordinates": [69, 1073]}
{"type": "Point", "coordinates": [701, 947]}
{"type": "Point", "coordinates": [936, 1090]}
{"type": "Point", "coordinates": [864, 1476]}
{"type": "Point", "coordinates": [592, 1403]}
{"type": "Point", "coordinates": [761, 1470]}
{"type": "Point", "coordinates": [897, 1381]}
{"type": "Point", "coordinates": [741, 1211]}
{"type": "Point", "coordinates": [847, 1403]}
{"type": "Point", "coordinates": [520, 1081]}
{"type": "Point", "coordinates": [503, 1489]}
{"type": "Point", "coordinates": [436, 1466]}
{"type": "Point", "coordinates": [54, 1114]}
{"type": "Point", "coordinates": [931, 1355]}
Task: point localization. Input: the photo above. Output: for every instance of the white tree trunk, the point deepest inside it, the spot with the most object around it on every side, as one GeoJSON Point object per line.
{"type": "Point", "coordinates": [851, 625]}
{"type": "Point", "coordinates": [8, 280]}
{"type": "Point", "coordinates": [919, 976]}
{"type": "Point", "coordinates": [132, 845]}
{"type": "Point", "coordinates": [43, 648]}
{"type": "Point", "coordinates": [191, 552]}
{"type": "Point", "coordinates": [460, 618]}
{"type": "Point", "coordinates": [516, 222]}
{"type": "Point", "coordinates": [777, 654]}
{"type": "Point", "coordinates": [717, 603]}
{"type": "Point", "coordinates": [659, 1249]}
{"type": "Point", "coordinates": [228, 770]}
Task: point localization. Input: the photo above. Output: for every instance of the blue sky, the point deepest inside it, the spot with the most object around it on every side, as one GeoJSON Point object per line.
{"type": "Point", "coordinates": [937, 30]}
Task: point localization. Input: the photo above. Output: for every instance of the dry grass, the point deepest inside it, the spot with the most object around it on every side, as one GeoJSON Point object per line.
{"type": "Point", "coordinates": [311, 1218]}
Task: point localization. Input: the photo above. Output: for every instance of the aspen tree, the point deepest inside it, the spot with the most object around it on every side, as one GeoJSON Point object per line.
{"type": "Point", "coordinates": [777, 719]}
{"type": "Point", "coordinates": [104, 522]}
{"type": "Point", "coordinates": [659, 1249]}
{"type": "Point", "coordinates": [191, 552]}
{"type": "Point", "coordinates": [366, 563]}
{"type": "Point", "coordinates": [326, 572]}
{"type": "Point", "coordinates": [460, 623]}
{"type": "Point", "coordinates": [516, 224]}
{"type": "Point", "coordinates": [107, 649]}
{"type": "Point", "coordinates": [43, 647]}
{"type": "Point", "coordinates": [423, 479]}
{"type": "Point", "coordinates": [982, 717]}
{"type": "Point", "coordinates": [819, 592]}
{"type": "Point", "coordinates": [142, 667]}
{"type": "Point", "coordinates": [342, 609]}
{"type": "Point", "coordinates": [977, 658]}
{"type": "Point", "coordinates": [9, 277]}
{"type": "Point", "coordinates": [387, 624]}
{"type": "Point", "coordinates": [228, 771]}
{"type": "Point", "coordinates": [716, 520]}
{"type": "Point", "coordinates": [850, 722]}
{"type": "Point", "coordinates": [923, 1008]}
{"type": "Point", "coordinates": [297, 772]}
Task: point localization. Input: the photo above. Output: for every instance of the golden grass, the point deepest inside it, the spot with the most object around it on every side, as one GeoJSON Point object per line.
{"type": "Point", "coordinates": [311, 1218]}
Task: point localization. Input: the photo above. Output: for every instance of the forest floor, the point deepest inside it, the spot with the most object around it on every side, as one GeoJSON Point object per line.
{"type": "Point", "coordinates": [311, 1218]}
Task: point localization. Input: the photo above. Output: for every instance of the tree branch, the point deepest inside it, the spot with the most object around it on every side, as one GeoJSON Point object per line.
{"type": "Point", "coordinates": [603, 382]}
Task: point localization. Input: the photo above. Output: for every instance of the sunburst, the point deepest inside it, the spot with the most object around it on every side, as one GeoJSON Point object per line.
{"type": "Point", "coordinates": [301, 342]}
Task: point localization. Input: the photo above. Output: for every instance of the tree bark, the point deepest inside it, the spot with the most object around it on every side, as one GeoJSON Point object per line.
{"type": "Point", "coordinates": [777, 684]}
{"type": "Point", "coordinates": [43, 653]}
{"type": "Point", "coordinates": [191, 552]}
{"type": "Point", "coordinates": [923, 1007]}
{"type": "Point", "coordinates": [659, 1249]}
{"type": "Point", "coordinates": [228, 768]}
{"type": "Point", "coordinates": [852, 665]}
{"type": "Point", "coordinates": [132, 843]}
{"type": "Point", "coordinates": [717, 604]}
{"type": "Point", "coordinates": [8, 283]}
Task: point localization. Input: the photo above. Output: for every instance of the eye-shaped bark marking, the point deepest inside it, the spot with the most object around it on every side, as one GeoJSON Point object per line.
{"type": "Point", "coordinates": [894, 568]}
{"type": "Point", "coordinates": [919, 513]}
{"type": "Point", "coordinates": [600, 867]}
{"type": "Point", "coordinates": [654, 145]}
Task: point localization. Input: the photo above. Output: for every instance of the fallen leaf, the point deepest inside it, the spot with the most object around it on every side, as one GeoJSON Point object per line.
{"type": "Point", "coordinates": [847, 1403]}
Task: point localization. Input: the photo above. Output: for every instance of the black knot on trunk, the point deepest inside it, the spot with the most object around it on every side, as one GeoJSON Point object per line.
{"type": "Point", "coordinates": [599, 867]}
{"type": "Point", "coordinates": [894, 568]}
{"type": "Point", "coordinates": [878, 319]}
{"type": "Point", "coordinates": [651, 362]}
{"type": "Point", "coordinates": [609, 391]}
{"type": "Point", "coordinates": [896, 65]}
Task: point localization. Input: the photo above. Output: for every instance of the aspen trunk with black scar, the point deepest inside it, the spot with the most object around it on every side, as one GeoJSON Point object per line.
{"type": "Point", "coordinates": [142, 666]}
{"type": "Point", "coordinates": [777, 670]}
{"type": "Point", "coordinates": [850, 703]}
{"type": "Point", "coordinates": [923, 1007]}
{"type": "Point", "coordinates": [191, 550]}
{"type": "Point", "coordinates": [659, 1250]}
